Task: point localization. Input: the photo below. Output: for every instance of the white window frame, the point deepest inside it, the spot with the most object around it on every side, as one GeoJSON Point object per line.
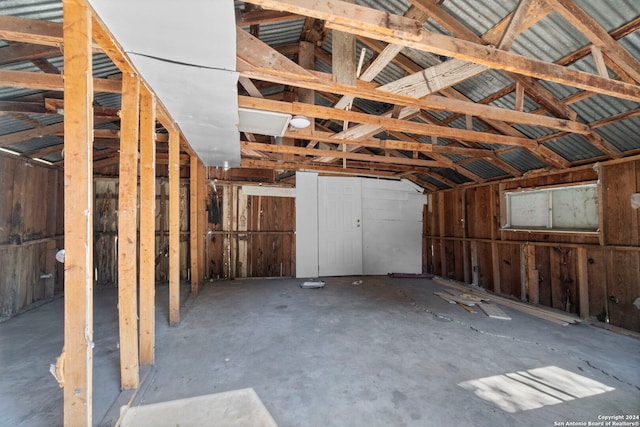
{"type": "Point", "coordinates": [547, 194]}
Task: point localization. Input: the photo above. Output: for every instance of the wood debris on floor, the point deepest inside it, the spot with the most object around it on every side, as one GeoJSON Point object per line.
{"type": "Point", "coordinates": [459, 292]}
{"type": "Point", "coordinates": [467, 301]}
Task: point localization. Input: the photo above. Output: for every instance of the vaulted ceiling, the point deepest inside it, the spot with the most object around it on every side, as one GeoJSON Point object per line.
{"type": "Point", "coordinates": [443, 93]}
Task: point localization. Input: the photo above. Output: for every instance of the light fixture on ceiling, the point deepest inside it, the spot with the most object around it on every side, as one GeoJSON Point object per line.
{"type": "Point", "coordinates": [300, 122]}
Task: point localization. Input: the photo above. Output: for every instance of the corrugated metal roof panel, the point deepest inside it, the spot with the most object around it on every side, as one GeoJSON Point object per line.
{"type": "Point", "coordinates": [483, 85]}
{"type": "Point", "coordinates": [9, 124]}
{"type": "Point", "coordinates": [109, 100]}
{"type": "Point", "coordinates": [37, 143]}
{"type": "Point", "coordinates": [49, 10]}
{"type": "Point", "coordinates": [478, 15]}
{"type": "Point", "coordinates": [522, 160]}
{"type": "Point", "coordinates": [452, 175]}
{"type": "Point", "coordinates": [573, 148]}
{"type": "Point", "coordinates": [549, 40]}
{"type": "Point", "coordinates": [484, 169]}
{"type": "Point", "coordinates": [282, 32]}
{"type": "Point", "coordinates": [396, 7]}
{"type": "Point", "coordinates": [47, 119]}
{"type": "Point", "coordinates": [438, 184]}
{"type": "Point", "coordinates": [597, 107]}
{"type": "Point", "coordinates": [624, 135]}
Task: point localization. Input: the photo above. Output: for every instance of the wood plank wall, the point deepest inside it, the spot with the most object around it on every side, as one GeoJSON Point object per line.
{"type": "Point", "coordinates": [106, 228]}
{"type": "Point", "coordinates": [509, 261]}
{"type": "Point", "coordinates": [248, 236]}
{"type": "Point", "coordinates": [31, 232]}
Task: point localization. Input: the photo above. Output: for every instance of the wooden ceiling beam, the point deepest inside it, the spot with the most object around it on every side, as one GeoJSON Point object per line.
{"type": "Point", "coordinates": [262, 16]}
{"type": "Point", "coordinates": [382, 122]}
{"type": "Point", "coordinates": [399, 30]}
{"type": "Point", "coordinates": [22, 107]}
{"type": "Point", "coordinates": [34, 31]}
{"type": "Point", "coordinates": [27, 80]}
{"type": "Point", "coordinates": [20, 52]}
{"type": "Point", "coordinates": [597, 35]}
{"type": "Point", "coordinates": [371, 170]}
{"type": "Point", "coordinates": [256, 59]}
{"type": "Point", "coordinates": [303, 151]}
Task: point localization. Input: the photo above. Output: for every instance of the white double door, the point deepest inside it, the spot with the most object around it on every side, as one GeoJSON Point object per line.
{"type": "Point", "coordinates": [339, 226]}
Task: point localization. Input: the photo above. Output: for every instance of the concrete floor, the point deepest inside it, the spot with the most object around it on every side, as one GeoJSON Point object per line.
{"type": "Point", "coordinates": [386, 352]}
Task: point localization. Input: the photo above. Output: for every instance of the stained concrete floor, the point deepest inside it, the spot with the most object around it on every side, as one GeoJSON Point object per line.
{"type": "Point", "coordinates": [386, 352]}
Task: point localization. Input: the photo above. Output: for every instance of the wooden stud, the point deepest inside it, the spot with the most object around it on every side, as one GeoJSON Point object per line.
{"type": "Point", "coordinates": [519, 106]}
{"type": "Point", "coordinates": [343, 56]}
{"type": "Point", "coordinates": [242, 250]}
{"type": "Point", "coordinates": [127, 233]}
{"type": "Point", "coordinates": [78, 215]}
{"type": "Point", "coordinates": [147, 225]}
{"type": "Point", "coordinates": [583, 282]}
{"type": "Point", "coordinates": [202, 223]}
{"type": "Point", "coordinates": [441, 225]}
{"type": "Point", "coordinates": [194, 232]}
{"type": "Point", "coordinates": [174, 226]}
{"type": "Point", "coordinates": [598, 60]}
{"type": "Point", "coordinates": [532, 287]}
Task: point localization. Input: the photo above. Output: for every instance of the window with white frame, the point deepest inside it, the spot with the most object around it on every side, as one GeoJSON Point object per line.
{"type": "Point", "coordinates": [570, 208]}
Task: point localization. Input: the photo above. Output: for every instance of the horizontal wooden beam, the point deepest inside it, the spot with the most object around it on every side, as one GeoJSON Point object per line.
{"type": "Point", "coordinates": [27, 80]}
{"type": "Point", "coordinates": [22, 107]}
{"type": "Point", "coordinates": [280, 165]}
{"type": "Point", "coordinates": [34, 31]}
{"type": "Point", "coordinates": [20, 52]}
{"type": "Point", "coordinates": [398, 30]}
{"type": "Point", "coordinates": [390, 144]}
{"type": "Point", "coordinates": [382, 122]}
{"type": "Point", "coordinates": [257, 60]}
{"type": "Point", "coordinates": [303, 151]}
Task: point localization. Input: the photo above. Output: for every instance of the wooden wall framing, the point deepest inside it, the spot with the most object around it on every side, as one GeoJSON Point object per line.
{"type": "Point", "coordinates": [590, 274]}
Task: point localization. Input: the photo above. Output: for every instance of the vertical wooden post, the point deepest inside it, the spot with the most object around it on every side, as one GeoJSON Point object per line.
{"type": "Point", "coordinates": [174, 226]}
{"type": "Point", "coordinates": [441, 225]}
{"type": "Point", "coordinates": [194, 232]}
{"type": "Point", "coordinates": [495, 264]}
{"type": "Point", "coordinates": [583, 282]}
{"type": "Point", "coordinates": [127, 232]}
{"type": "Point", "coordinates": [529, 274]}
{"type": "Point", "coordinates": [243, 237]}
{"type": "Point", "coordinates": [202, 222]}
{"type": "Point", "coordinates": [78, 214]}
{"type": "Point", "coordinates": [147, 226]}
{"type": "Point", "coordinates": [465, 243]}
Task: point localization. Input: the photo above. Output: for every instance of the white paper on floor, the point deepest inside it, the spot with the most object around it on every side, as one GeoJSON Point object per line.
{"type": "Point", "coordinates": [238, 408]}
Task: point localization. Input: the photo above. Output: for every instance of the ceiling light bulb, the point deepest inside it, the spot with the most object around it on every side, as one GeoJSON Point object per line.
{"type": "Point", "coordinates": [300, 122]}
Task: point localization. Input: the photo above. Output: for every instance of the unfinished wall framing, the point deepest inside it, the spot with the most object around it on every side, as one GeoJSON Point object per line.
{"type": "Point", "coordinates": [590, 274]}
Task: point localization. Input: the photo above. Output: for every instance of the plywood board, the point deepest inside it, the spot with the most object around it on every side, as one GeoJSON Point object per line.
{"type": "Point", "coordinates": [493, 311]}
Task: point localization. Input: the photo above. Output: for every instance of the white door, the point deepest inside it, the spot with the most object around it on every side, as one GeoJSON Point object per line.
{"type": "Point", "coordinates": [339, 226]}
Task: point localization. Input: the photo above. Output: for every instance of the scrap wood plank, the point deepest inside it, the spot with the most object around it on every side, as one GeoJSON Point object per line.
{"type": "Point", "coordinates": [469, 309]}
{"type": "Point", "coordinates": [494, 311]}
{"type": "Point", "coordinates": [455, 299]}
{"type": "Point", "coordinates": [546, 313]}
{"type": "Point", "coordinates": [470, 297]}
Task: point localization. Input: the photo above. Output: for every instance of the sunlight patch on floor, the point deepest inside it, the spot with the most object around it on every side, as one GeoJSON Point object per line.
{"type": "Point", "coordinates": [535, 388]}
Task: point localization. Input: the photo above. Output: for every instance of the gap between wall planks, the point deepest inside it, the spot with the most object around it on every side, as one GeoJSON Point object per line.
{"type": "Point", "coordinates": [78, 220]}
